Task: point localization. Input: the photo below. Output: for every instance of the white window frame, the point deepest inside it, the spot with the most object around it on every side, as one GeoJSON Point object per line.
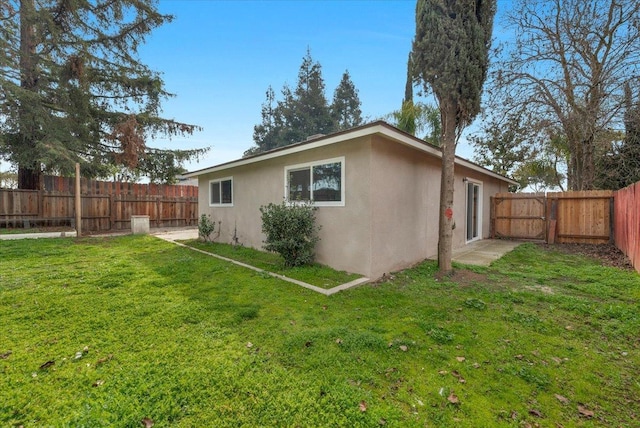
{"type": "Point", "coordinates": [310, 165]}
{"type": "Point", "coordinates": [219, 181]}
{"type": "Point", "coordinates": [478, 183]}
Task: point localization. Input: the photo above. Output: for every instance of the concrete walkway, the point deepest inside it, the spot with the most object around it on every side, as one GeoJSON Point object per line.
{"type": "Point", "coordinates": [37, 235]}
{"type": "Point", "coordinates": [483, 252]}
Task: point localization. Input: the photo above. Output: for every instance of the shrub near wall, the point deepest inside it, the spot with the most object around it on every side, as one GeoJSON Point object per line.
{"type": "Point", "coordinates": [290, 231]}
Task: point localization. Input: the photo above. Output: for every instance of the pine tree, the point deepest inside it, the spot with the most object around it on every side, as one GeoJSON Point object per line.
{"type": "Point", "coordinates": [304, 111]}
{"type": "Point", "coordinates": [451, 57]}
{"type": "Point", "coordinates": [74, 90]}
{"type": "Point", "coordinates": [345, 108]}
{"type": "Point", "coordinates": [311, 114]}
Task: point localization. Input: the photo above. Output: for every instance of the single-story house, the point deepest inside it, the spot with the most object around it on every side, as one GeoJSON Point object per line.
{"type": "Point", "coordinates": [377, 191]}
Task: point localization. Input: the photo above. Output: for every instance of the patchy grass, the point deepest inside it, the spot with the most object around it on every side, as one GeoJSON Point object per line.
{"type": "Point", "coordinates": [99, 332]}
{"type": "Point", "coordinates": [316, 274]}
{"type": "Point", "coordinates": [19, 231]}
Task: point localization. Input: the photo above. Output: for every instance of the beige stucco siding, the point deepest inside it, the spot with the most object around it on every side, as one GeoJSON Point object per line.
{"type": "Point", "coordinates": [389, 220]}
{"type": "Point", "coordinates": [405, 191]}
{"type": "Point", "coordinates": [345, 242]}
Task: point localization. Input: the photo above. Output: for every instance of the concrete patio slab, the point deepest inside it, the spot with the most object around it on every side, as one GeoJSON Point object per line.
{"type": "Point", "coordinates": [483, 252]}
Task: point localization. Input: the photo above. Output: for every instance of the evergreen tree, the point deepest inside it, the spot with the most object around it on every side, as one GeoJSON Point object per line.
{"type": "Point", "coordinates": [267, 131]}
{"type": "Point", "coordinates": [619, 167]}
{"type": "Point", "coordinates": [310, 111]}
{"type": "Point", "coordinates": [74, 90]}
{"type": "Point", "coordinates": [345, 108]}
{"type": "Point", "coordinates": [305, 112]}
{"type": "Point", "coordinates": [451, 57]}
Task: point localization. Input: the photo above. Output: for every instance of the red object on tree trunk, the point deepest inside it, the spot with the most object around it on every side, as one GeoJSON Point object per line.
{"type": "Point", "coordinates": [449, 213]}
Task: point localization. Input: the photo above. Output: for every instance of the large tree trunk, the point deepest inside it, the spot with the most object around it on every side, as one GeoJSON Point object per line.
{"type": "Point", "coordinates": [445, 229]}
{"type": "Point", "coordinates": [29, 172]}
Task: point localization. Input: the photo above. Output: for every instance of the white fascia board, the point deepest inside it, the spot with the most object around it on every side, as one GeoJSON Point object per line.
{"type": "Point", "coordinates": [376, 128]}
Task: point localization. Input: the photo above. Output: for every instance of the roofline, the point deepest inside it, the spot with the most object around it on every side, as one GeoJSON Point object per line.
{"type": "Point", "coordinates": [378, 127]}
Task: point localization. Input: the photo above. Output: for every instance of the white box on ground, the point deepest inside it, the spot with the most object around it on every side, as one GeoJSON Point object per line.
{"type": "Point", "coordinates": [140, 224]}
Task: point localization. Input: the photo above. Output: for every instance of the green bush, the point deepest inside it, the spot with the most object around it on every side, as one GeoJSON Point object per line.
{"type": "Point", "coordinates": [206, 227]}
{"type": "Point", "coordinates": [290, 231]}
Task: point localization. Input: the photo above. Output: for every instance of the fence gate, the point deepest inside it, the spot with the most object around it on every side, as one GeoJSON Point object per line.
{"type": "Point", "coordinates": [563, 217]}
{"type": "Point", "coordinates": [519, 216]}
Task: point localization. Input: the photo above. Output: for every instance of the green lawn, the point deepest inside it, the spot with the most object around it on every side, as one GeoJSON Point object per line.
{"type": "Point", "coordinates": [318, 275]}
{"type": "Point", "coordinates": [108, 332]}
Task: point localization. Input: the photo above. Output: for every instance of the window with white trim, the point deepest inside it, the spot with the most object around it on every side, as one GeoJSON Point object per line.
{"type": "Point", "coordinates": [321, 182]}
{"type": "Point", "coordinates": [221, 192]}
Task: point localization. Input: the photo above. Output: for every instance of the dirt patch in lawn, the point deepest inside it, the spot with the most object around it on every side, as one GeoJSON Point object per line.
{"type": "Point", "coordinates": [607, 254]}
{"type": "Point", "coordinates": [463, 277]}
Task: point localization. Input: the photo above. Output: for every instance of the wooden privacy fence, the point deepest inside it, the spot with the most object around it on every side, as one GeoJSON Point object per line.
{"type": "Point", "coordinates": [627, 222]}
{"type": "Point", "coordinates": [105, 205]}
{"type": "Point", "coordinates": [563, 217]}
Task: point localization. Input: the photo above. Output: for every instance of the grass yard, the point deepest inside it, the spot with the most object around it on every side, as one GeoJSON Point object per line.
{"type": "Point", "coordinates": [135, 331]}
{"type": "Point", "coordinates": [318, 275]}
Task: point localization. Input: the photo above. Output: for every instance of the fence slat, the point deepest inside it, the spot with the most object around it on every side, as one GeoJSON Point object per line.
{"type": "Point", "coordinates": [105, 205]}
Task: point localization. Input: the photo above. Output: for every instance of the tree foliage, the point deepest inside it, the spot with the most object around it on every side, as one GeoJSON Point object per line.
{"type": "Point", "coordinates": [73, 88]}
{"type": "Point", "coordinates": [305, 111]}
{"type": "Point", "coordinates": [619, 167]}
{"type": "Point", "coordinates": [451, 57]}
{"type": "Point", "coordinates": [505, 146]}
{"type": "Point", "coordinates": [568, 66]}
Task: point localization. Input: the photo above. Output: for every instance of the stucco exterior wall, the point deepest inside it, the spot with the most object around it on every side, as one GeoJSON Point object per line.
{"type": "Point", "coordinates": [405, 188]}
{"type": "Point", "coordinates": [345, 234]}
{"type": "Point", "coordinates": [405, 197]}
{"type": "Point", "coordinates": [390, 217]}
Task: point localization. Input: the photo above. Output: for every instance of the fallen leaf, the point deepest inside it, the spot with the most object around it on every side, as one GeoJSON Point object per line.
{"type": "Point", "coordinates": [390, 344]}
{"type": "Point", "coordinates": [519, 357]}
{"type": "Point", "coordinates": [324, 308]}
{"type": "Point", "coordinates": [403, 348]}
{"type": "Point", "coordinates": [85, 350]}
{"type": "Point", "coordinates": [460, 359]}
{"type": "Point", "coordinates": [104, 359]}
{"type": "Point", "coordinates": [443, 372]}
{"type": "Point", "coordinates": [585, 412]}
{"type": "Point", "coordinates": [562, 399]}
{"type": "Point", "coordinates": [535, 412]}
{"type": "Point", "coordinates": [382, 421]}
{"type": "Point", "coordinates": [569, 327]}
{"type": "Point", "coordinates": [5, 355]}
{"type": "Point", "coordinates": [338, 341]}
{"type": "Point", "coordinates": [249, 345]}
{"type": "Point", "coordinates": [147, 422]}
{"type": "Point", "coordinates": [292, 322]}
{"type": "Point", "coordinates": [453, 399]}
{"type": "Point", "coordinates": [556, 360]}
{"type": "Point", "coordinates": [78, 355]}
{"type": "Point", "coordinates": [363, 406]}
{"type": "Point", "coordinates": [98, 383]}
{"type": "Point", "coordinates": [476, 365]}
{"type": "Point", "coordinates": [47, 364]}
{"type": "Point", "coordinates": [514, 415]}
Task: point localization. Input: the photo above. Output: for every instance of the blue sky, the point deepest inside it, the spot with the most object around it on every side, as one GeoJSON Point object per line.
{"type": "Point", "coordinates": [219, 57]}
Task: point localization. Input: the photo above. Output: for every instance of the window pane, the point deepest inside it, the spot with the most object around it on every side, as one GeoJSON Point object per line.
{"type": "Point", "coordinates": [226, 192]}
{"type": "Point", "coordinates": [327, 182]}
{"type": "Point", "coordinates": [299, 185]}
{"type": "Point", "coordinates": [215, 192]}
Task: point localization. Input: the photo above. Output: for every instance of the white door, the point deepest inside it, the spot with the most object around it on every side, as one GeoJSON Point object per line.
{"type": "Point", "coordinates": [474, 210]}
